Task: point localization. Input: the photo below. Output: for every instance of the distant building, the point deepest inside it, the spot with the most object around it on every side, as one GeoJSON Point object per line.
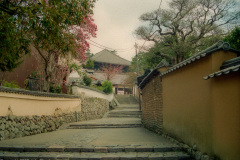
{"type": "Point", "coordinates": [109, 57]}
{"type": "Point", "coordinates": [106, 57]}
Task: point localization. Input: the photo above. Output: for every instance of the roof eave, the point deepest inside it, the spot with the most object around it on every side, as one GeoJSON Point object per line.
{"type": "Point", "coordinates": [148, 77]}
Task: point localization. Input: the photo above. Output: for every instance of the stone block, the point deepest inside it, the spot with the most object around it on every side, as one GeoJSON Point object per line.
{"type": "Point", "coordinates": [101, 149]}
{"type": "Point", "coordinates": [71, 149]}
{"type": "Point", "coordinates": [130, 149]}
{"type": "Point", "coordinates": [161, 149]}
{"type": "Point", "coordinates": [115, 149]}
{"type": "Point", "coordinates": [55, 148]}
{"type": "Point", "coordinates": [35, 149]}
{"type": "Point", "coordinates": [144, 149]}
{"type": "Point", "coordinates": [88, 149]}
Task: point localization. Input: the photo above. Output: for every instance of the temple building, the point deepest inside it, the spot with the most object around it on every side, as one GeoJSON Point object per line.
{"type": "Point", "coordinates": [110, 60]}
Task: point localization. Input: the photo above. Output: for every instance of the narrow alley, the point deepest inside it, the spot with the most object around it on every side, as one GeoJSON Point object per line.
{"type": "Point", "coordinates": [118, 135]}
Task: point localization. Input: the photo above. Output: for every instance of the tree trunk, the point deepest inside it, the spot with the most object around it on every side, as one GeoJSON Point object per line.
{"type": "Point", "coordinates": [48, 71]}
{"type": "Point", "coordinates": [46, 85]}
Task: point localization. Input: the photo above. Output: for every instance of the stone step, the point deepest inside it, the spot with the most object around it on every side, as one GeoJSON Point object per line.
{"type": "Point", "coordinates": [126, 99]}
{"type": "Point", "coordinates": [127, 112]}
{"type": "Point", "coordinates": [123, 116]}
{"type": "Point", "coordinates": [95, 156]}
{"type": "Point", "coordinates": [126, 108]}
{"type": "Point", "coordinates": [117, 114]}
{"type": "Point", "coordinates": [95, 149]}
{"type": "Point", "coordinates": [93, 126]}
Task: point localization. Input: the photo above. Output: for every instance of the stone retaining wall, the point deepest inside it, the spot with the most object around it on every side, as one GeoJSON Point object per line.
{"type": "Point", "coordinates": [20, 126]}
{"type": "Point", "coordinates": [92, 108]}
{"type": "Point", "coordinates": [13, 124]}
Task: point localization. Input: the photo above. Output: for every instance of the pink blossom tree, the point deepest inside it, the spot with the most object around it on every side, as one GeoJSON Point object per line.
{"type": "Point", "coordinates": [110, 70]}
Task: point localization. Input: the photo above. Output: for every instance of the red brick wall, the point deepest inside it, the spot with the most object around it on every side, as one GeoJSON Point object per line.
{"type": "Point", "coordinates": [20, 73]}
{"type": "Point", "coordinates": [152, 105]}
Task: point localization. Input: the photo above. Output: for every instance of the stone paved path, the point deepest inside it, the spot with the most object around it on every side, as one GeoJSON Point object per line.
{"type": "Point", "coordinates": [119, 135]}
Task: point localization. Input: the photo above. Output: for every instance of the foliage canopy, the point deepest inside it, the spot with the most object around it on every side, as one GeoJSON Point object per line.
{"type": "Point", "coordinates": [233, 38]}
{"type": "Point", "coordinates": [54, 28]}
{"type": "Point", "coordinates": [187, 26]}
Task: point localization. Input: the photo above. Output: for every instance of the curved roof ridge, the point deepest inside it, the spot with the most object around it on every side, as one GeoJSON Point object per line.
{"type": "Point", "coordinates": [98, 53]}
{"type": "Point", "coordinates": [120, 57]}
{"type": "Point", "coordinates": [116, 59]}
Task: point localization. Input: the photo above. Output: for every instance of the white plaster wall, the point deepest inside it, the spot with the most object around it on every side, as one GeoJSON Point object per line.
{"type": "Point", "coordinates": [76, 90]}
{"type": "Point", "coordinates": [28, 105]}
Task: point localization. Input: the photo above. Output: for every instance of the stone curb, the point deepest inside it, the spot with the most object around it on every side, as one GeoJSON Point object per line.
{"type": "Point", "coordinates": [97, 156]}
{"type": "Point", "coordinates": [195, 154]}
{"type": "Point", "coordinates": [104, 126]}
{"type": "Point", "coordinates": [92, 149]}
{"type": "Point", "coordinates": [86, 125]}
{"type": "Point", "coordinates": [123, 116]}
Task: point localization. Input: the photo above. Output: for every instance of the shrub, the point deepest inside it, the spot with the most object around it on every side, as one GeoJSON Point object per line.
{"type": "Point", "coordinates": [34, 74]}
{"type": "Point", "coordinates": [11, 84]}
{"type": "Point", "coordinates": [26, 83]}
{"type": "Point", "coordinates": [107, 87]}
{"type": "Point", "coordinates": [87, 80]}
{"type": "Point", "coordinates": [55, 89]}
{"type": "Point", "coordinates": [100, 88]}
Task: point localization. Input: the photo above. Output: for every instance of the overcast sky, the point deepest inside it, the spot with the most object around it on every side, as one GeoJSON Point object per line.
{"type": "Point", "coordinates": [116, 21]}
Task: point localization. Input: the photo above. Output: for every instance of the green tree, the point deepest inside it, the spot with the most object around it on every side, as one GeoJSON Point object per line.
{"type": "Point", "coordinates": [107, 87]}
{"type": "Point", "coordinates": [146, 60]}
{"type": "Point", "coordinates": [13, 42]}
{"type": "Point", "coordinates": [89, 64]}
{"type": "Point", "coordinates": [87, 80]}
{"type": "Point", "coordinates": [55, 28]}
{"type": "Point", "coordinates": [187, 27]}
{"type": "Point", "coordinates": [89, 54]}
{"type": "Point", "coordinates": [233, 38]}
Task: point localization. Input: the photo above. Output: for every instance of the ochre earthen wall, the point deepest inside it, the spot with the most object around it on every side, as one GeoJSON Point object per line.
{"type": "Point", "coordinates": [189, 103]}
{"type": "Point", "coordinates": [200, 113]}
{"type": "Point", "coordinates": [226, 116]}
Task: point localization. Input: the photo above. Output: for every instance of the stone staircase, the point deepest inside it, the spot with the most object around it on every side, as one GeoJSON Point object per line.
{"type": "Point", "coordinates": [117, 136]}
{"type": "Point", "coordinates": [125, 114]}
{"type": "Point", "coordinates": [126, 99]}
{"type": "Point", "coordinates": [96, 153]}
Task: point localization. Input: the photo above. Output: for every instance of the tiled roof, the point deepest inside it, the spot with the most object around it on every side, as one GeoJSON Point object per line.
{"type": "Point", "coordinates": [35, 93]}
{"type": "Point", "coordinates": [230, 63]}
{"type": "Point", "coordinates": [143, 80]}
{"type": "Point", "coordinates": [163, 63]}
{"type": "Point", "coordinates": [218, 46]}
{"type": "Point", "coordinates": [106, 56]}
{"type": "Point", "coordinates": [223, 72]}
{"type": "Point", "coordinates": [148, 78]}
